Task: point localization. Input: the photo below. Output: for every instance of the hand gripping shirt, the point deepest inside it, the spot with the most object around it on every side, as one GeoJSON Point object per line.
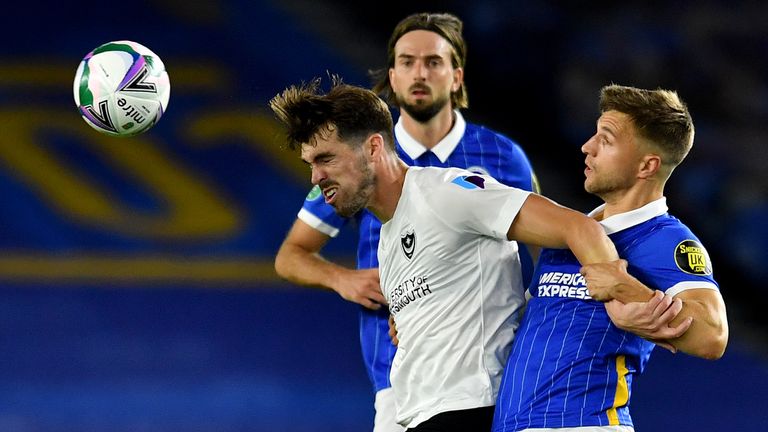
{"type": "Point", "coordinates": [570, 366]}
{"type": "Point", "coordinates": [453, 284]}
{"type": "Point", "coordinates": [467, 145]}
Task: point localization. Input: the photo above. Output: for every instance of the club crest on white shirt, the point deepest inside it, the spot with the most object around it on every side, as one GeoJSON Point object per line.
{"type": "Point", "coordinates": [408, 242]}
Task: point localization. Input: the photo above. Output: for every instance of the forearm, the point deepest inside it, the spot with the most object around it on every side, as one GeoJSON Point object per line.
{"type": "Point", "coordinates": [588, 241]}
{"type": "Point", "coordinates": [708, 335]}
{"type": "Point", "coordinates": [302, 267]}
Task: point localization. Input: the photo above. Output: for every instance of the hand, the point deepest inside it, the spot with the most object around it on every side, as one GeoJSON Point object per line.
{"type": "Point", "coordinates": [650, 320]}
{"type": "Point", "coordinates": [604, 279]}
{"type": "Point", "coordinates": [362, 287]}
{"type": "Point", "coordinates": [393, 331]}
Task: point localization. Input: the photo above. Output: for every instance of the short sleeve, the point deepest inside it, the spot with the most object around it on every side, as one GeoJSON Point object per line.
{"type": "Point", "coordinates": [319, 215]}
{"type": "Point", "coordinates": [476, 203]}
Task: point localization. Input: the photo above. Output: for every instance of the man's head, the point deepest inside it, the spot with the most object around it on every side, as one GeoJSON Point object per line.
{"type": "Point", "coordinates": [340, 134]}
{"type": "Point", "coordinates": [642, 135]}
{"type": "Point", "coordinates": [425, 66]}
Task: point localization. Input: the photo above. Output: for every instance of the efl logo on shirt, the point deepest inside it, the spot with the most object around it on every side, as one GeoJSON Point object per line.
{"type": "Point", "coordinates": [470, 182]}
{"type": "Point", "coordinates": [408, 243]}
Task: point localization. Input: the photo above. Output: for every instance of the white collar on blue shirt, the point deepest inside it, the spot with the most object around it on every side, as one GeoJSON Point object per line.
{"type": "Point", "coordinates": [631, 218]}
{"type": "Point", "coordinates": [442, 150]}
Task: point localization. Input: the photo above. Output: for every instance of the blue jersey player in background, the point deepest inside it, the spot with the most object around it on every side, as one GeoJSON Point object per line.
{"type": "Point", "coordinates": [571, 368]}
{"type": "Point", "coordinates": [425, 80]}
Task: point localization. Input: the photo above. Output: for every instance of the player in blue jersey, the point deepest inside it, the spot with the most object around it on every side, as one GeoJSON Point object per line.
{"type": "Point", "coordinates": [570, 367]}
{"type": "Point", "coordinates": [425, 80]}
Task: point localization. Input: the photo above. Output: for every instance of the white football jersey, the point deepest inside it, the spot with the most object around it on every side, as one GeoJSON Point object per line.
{"type": "Point", "coordinates": [453, 284]}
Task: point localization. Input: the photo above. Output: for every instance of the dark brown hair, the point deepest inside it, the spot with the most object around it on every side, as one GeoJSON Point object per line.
{"type": "Point", "coordinates": [353, 112]}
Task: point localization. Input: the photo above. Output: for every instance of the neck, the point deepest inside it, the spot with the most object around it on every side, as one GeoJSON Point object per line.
{"type": "Point", "coordinates": [390, 177]}
{"type": "Point", "coordinates": [431, 132]}
{"type": "Point", "coordinates": [640, 194]}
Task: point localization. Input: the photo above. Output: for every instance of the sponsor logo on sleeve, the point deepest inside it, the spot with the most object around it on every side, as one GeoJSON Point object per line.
{"type": "Point", "coordinates": [470, 182]}
{"type": "Point", "coordinates": [692, 258]}
{"type": "Point", "coordinates": [314, 194]}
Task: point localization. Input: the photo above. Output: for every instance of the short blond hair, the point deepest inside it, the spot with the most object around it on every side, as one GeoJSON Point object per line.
{"type": "Point", "coordinates": [659, 116]}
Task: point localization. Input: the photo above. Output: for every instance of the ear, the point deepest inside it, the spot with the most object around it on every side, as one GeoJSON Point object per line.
{"type": "Point", "coordinates": [650, 165]}
{"type": "Point", "coordinates": [375, 146]}
{"type": "Point", "coordinates": [458, 79]}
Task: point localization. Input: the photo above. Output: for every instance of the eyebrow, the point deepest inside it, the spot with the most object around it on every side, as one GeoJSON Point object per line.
{"type": "Point", "coordinates": [607, 130]}
{"type": "Point", "coordinates": [428, 56]}
{"type": "Point", "coordinates": [317, 156]}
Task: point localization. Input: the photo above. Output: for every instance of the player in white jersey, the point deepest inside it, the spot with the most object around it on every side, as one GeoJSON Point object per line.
{"type": "Point", "coordinates": [345, 136]}
{"type": "Point", "coordinates": [571, 368]}
{"type": "Point", "coordinates": [424, 79]}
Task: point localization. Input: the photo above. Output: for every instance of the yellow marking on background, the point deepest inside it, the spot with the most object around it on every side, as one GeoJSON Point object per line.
{"type": "Point", "coordinates": [622, 391]}
{"type": "Point", "coordinates": [136, 269]}
{"type": "Point", "coordinates": [261, 131]}
{"type": "Point", "coordinates": [189, 209]}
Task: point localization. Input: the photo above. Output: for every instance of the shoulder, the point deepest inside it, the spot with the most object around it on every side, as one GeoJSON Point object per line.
{"type": "Point", "coordinates": [667, 253]}
{"type": "Point", "coordinates": [487, 135]}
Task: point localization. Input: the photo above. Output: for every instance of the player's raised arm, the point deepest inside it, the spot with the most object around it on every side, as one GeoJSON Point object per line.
{"type": "Point", "coordinates": [299, 261]}
{"type": "Point", "coordinates": [545, 223]}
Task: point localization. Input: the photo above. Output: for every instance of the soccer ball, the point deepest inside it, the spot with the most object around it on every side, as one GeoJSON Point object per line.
{"type": "Point", "coordinates": [121, 88]}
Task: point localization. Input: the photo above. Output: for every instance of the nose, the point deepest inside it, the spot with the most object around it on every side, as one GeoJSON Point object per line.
{"type": "Point", "coordinates": [421, 71]}
{"type": "Point", "coordinates": [588, 147]}
{"type": "Point", "coordinates": [318, 175]}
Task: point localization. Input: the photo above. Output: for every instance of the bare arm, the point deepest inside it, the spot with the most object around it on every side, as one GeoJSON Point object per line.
{"type": "Point", "coordinates": [543, 222]}
{"type": "Point", "coordinates": [650, 320]}
{"type": "Point", "coordinates": [299, 261]}
{"type": "Point", "coordinates": [707, 335]}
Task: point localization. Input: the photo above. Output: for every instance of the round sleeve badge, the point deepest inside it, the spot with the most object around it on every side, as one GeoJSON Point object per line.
{"type": "Point", "coordinates": [692, 258]}
{"type": "Point", "coordinates": [314, 193]}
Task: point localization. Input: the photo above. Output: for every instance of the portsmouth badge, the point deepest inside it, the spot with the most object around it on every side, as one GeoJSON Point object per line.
{"type": "Point", "coordinates": [408, 243]}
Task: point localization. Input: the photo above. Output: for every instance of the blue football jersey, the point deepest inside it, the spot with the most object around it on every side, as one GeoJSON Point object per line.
{"type": "Point", "coordinates": [469, 146]}
{"type": "Point", "coordinates": [569, 365]}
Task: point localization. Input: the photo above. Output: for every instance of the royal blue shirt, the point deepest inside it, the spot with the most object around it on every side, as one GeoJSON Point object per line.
{"type": "Point", "coordinates": [569, 365]}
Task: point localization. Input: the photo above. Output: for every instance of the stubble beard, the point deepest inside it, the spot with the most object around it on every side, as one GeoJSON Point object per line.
{"type": "Point", "coordinates": [422, 111]}
{"type": "Point", "coordinates": [359, 199]}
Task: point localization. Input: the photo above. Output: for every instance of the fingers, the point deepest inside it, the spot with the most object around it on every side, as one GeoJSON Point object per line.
{"type": "Point", "coordinates": [676, 332]}
{"type": "Point", "coordinates": [372, 305]}
{"type": "Point", "coordinates": [666, 345]}
{"type": "Point", "coordinates": [393, 330]}
{"type": "Point", "coordinates": [674, 308]}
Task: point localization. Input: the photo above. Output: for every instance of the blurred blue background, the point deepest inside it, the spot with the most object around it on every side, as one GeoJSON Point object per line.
{"type": "Point", "coordinates": [136, 283]}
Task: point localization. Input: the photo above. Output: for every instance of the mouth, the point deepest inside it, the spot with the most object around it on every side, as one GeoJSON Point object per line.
{"type": "Point", "coordinates": [420, 92]}
{"type": "Point", "coordinates": [330, 194]}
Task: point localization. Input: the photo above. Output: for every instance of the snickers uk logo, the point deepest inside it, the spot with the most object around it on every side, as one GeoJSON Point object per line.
{"type": "Point", "coordinates": [559, 284]}
{"type": "Point", "coordinates": [692, 258]}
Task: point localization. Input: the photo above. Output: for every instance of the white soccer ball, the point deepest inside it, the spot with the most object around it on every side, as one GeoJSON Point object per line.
{"type": "Point", "coordinates": [121, 88]}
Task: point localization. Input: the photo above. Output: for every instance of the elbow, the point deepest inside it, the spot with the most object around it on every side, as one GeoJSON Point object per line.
{"type": "Point", "coordinates": [713, 347]}
{"type": "Point", "coordinates": [281, 265]}
{"type": "Point", "coordinates": [713, 350]}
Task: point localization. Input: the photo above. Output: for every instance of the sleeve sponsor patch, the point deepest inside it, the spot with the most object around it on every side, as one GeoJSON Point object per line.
{"type": "Point", "coordinates": [313, 194]}
{"type": "Point", "coordinates": [470, 182]}
{"type": "Point", "coordinates": [692, 258]}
